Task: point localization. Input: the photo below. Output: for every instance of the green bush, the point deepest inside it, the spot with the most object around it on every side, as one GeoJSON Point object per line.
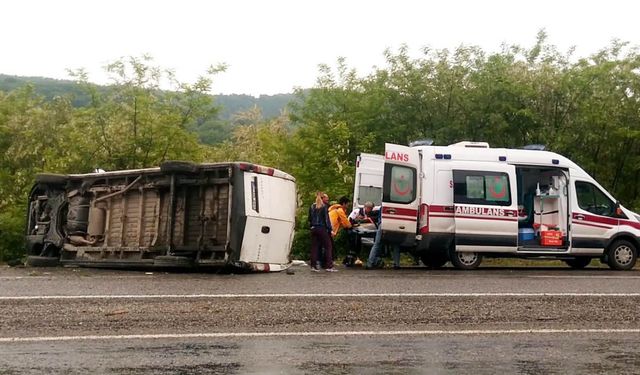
{"type": "Point", "coordinates": [301, 244]}
{"type": "Point", "coordinates": [12, 233]}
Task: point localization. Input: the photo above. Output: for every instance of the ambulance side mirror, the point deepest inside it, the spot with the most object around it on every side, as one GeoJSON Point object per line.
{"type": "Point", "coordinates": [618, 210]}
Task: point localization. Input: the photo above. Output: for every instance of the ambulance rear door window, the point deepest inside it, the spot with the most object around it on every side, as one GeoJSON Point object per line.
{"type": "Point", "coordinates": [399, 184]}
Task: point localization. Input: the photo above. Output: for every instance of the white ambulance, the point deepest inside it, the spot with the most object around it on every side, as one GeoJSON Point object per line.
{"type": "Point", "coordinates": [461, 202]}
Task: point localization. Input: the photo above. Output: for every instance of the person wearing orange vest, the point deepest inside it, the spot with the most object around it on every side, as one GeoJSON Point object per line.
{"type": "Point", "coordinates": [338, 216]}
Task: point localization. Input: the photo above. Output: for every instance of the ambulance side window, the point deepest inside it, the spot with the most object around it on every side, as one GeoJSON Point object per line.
{"type": "Point", "coordinates": [478, 187]}
{"type": "Point", "coordinates": [372, 194]}
{"type": "Point", "coordinates": [591, 199]}
{"type": "Point", "coordinates": [399, 184]}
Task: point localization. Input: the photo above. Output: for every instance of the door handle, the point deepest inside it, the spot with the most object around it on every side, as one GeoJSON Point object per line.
{"type": "Point", "coordinates": [510, 214]}
{"type": "Point", "coordinates": [579, 217]}
{"type": "Point", "coordinates": [391, 211]}
{"type": "Point", "coordinates": [448, 208]}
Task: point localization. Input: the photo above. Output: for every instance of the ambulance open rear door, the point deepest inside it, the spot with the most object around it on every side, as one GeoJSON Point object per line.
{"type": "Point", "coordinates": [400, 195]}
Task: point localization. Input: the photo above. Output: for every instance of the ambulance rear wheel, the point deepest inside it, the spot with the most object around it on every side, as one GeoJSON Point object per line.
{"type": "Point", "coordinates": [622, 255]}
{"type": "Point", "coordinates": [434, 261]}
{"type": "Point", "coordinates": [465, 260]}
{"type": "Point", "coordinates": [578, 262]}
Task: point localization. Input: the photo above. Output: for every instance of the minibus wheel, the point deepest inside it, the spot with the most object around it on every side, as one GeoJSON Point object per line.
{"type": "Point", "coordinates": [172, 261]}
{"type": "Point", "coordinates": [42, 261]}
{"type": "Point", "coordinates": [465, 260]}
{"type": "Point", "coordinates": [178, 166]}
{"type": "Point", "coordinates": [51, 179]}
{"type": "Point", "coordinates": [622, 255]}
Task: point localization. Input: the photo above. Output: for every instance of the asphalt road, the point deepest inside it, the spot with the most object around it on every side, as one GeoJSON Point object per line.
{"type": "Point", "coordinates": [533, 320]}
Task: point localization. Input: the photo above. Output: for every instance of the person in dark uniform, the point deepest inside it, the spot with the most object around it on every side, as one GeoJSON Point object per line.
{"type": "Point", "coordinates": [321, 232]}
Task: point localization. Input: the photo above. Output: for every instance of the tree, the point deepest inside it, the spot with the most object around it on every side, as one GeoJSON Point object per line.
{"type": "Point", "coordinates": [31, 140]}
{"type": "Point", "coordinates": [135, 124]}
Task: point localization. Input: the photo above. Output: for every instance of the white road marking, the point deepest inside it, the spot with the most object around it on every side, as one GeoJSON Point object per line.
{"type": "Point", "coordinates": [309, 295]}
{"type": "Point", "coordinates": [526, 276]}
{"type": "Point", "coordinates": [91, 277]}
{"type": "Point", "coordinates": [580, 277]}
{"type": "Point", "coordinates": [23, 277]}
{"type": "Point", "coordinates": [311, 334]}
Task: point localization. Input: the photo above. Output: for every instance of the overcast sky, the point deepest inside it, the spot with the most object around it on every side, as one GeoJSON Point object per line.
{"type": "Point", "coordinates": [273, 46]}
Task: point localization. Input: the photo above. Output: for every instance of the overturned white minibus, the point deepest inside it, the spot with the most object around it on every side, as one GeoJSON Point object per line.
{"type": "Point", "coordinates": [178, 215]}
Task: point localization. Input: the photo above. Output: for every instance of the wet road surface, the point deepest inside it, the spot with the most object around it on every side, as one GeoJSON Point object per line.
{"type": "Point", "coordinates": [523, 321]}
{"type": "Point", "coordinates": [450, 354]}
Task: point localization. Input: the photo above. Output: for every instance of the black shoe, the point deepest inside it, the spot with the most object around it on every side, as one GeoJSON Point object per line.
{"type": "Point", "coordinates": [348, 261]}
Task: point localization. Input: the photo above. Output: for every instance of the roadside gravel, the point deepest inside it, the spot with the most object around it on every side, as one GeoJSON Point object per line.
{"type": "Point", "coordinates": [131, 316]}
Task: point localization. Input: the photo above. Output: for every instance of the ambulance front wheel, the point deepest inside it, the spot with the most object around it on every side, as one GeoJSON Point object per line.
{"type": "Point", "coordinates": [465, 260]}
{"type": "Point", "coordinates": [622, 255]}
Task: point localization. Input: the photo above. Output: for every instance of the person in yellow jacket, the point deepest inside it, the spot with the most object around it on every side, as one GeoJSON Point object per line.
{"type": "Point", "coordinates": [338, 216]}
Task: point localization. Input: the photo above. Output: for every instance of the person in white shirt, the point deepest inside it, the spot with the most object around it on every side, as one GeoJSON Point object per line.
{"type": "Point", "coordinates": [365, 214]}
{"type": "Point", "coordinates": [362, 215]}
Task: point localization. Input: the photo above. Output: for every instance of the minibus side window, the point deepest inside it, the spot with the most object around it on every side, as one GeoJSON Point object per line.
{"type": "Point", "coordinates": [399, 184]}
{"type": "Point", "coordinates": [592, 199]}
{"type": "Point", "coordinates": [477, 187]}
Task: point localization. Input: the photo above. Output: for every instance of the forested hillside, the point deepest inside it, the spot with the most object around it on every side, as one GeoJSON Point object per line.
{"type": "Point", "coordinates": [270, 105]}
{"type": "Point", "coordinates": [585, 107]}
{"type": "Point", "coordinates": [212, 131]}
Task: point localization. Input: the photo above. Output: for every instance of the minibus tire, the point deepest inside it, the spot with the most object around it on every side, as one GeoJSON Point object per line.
{"type": "Point", "coordinates": [171, 261]}
{"type": "Point", "coordinates": [40, 261]}
{"type": "Point", "coordinates": [469, 261]}
{"type": "Point", "coordinates": [622, 255]}
{"type": "Point", "coordinates": [578, 262]}
{"type": "Point", "coordinates": [51, 179]}
{"type": "Point", "coordinates": [178, 166]}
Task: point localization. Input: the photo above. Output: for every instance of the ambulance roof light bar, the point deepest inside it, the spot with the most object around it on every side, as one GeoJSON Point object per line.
{"type": "Point", "coordinates": [470, 144]}
{"type": "Point", "coordinates": [421, 142]}
{"type": "Point", "coordinates": [536, 147]}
